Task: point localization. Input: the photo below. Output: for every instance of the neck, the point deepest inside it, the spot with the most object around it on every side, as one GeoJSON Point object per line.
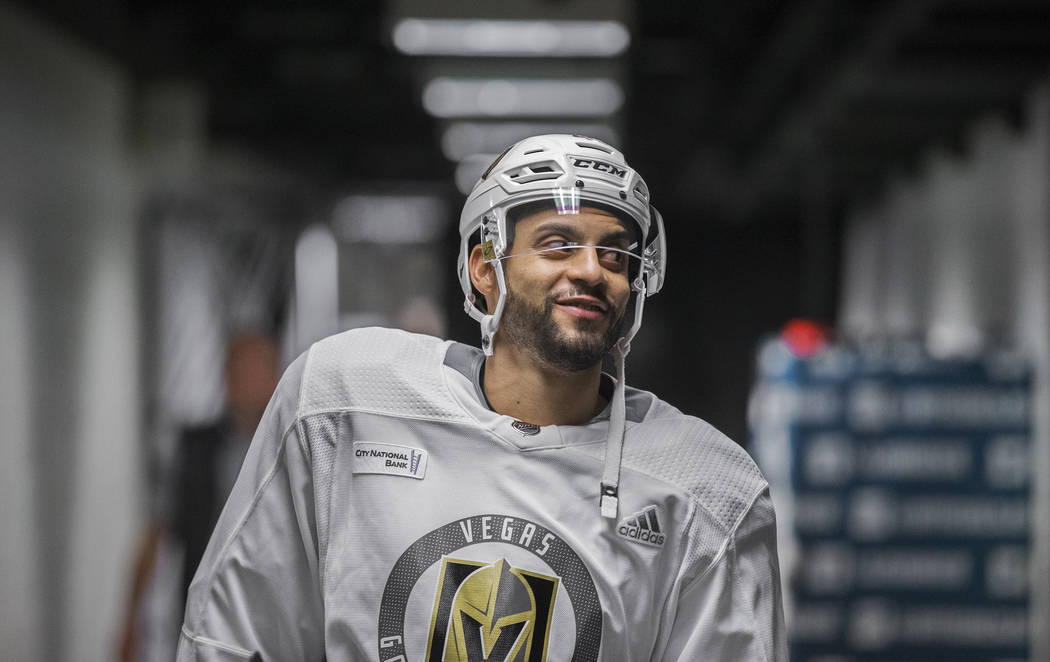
{"type": "Point", "coordinates": [520, 385]}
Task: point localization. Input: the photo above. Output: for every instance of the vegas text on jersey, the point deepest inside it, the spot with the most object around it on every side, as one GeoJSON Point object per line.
{"type": "Point", "coordinates": [486, 608]}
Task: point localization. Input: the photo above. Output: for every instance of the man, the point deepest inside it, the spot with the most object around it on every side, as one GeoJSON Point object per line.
{"type": "Point", "coordinates": [410, 499]}
{"type": "Point", "coordinates": [205, 466]}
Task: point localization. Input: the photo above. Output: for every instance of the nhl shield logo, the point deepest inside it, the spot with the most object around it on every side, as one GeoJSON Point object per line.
{"type": "Point", "coordinates": [526, 429]}
{"type": "Point", "coordinates": [490, 612]}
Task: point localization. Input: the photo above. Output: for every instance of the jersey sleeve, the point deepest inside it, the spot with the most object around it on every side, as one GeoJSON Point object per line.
{"type": "Point", "coordinates": [256, 593]}
{"type": "Point", "coordinates": [733, 609]}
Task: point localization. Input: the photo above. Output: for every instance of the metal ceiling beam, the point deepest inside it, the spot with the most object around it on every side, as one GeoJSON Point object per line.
{"type": "Point", "coordinates": [978, 36]}
{"type": "Point", "coordinates": [943, 83]}
{"type": "Point", "coordinates": [772, 73]}
{"type": "Point", "coordinates": [800, 132]}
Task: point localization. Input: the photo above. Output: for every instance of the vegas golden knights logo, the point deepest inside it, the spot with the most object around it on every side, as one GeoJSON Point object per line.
{"type": "Point", "coordinates": [490, 613]}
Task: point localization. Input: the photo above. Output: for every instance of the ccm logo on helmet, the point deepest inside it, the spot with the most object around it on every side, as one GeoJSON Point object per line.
{"type": "Point", "coordinates": [600, 166]}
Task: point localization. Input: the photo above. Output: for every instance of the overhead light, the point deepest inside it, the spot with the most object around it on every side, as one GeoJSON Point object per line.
{"type": "Point", "coordinates": [390, 219]}
{"type": "Point", "coordinates": [522, 97]}
{"type": "Point", "coordinates": [510, 38]}
{"type": "Point", "coordinates": [462, 139]}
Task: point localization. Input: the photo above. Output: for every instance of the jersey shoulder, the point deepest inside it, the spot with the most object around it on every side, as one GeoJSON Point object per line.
{"type": "Point", "coordinates": [694, 456]}
{"type": "Point", "coordinates": [381, 371]}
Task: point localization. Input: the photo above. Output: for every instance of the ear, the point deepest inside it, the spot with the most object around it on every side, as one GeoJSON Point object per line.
{"type": "Point", "coordinates": [483, 276]}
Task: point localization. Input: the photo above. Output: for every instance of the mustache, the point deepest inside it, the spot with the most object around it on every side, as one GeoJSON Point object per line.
{"type": "Point", "coordinates": [579, 291]}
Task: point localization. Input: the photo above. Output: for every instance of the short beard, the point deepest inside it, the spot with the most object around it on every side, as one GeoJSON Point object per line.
{"type": "Point", "coordinates": [534, 329]}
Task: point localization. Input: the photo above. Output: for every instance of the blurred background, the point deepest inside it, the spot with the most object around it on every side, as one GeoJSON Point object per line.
{"type": "Point", "coordinates": [857, 198]}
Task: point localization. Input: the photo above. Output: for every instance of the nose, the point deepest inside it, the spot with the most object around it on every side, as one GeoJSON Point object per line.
{"type": "Point", "coordinates": [584, 266]}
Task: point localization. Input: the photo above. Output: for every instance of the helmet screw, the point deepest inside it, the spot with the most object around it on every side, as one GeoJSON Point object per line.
{"type": "Point", "coordinates": [623, 195]}
{"type": "Point", "coordinates": [579, 183]}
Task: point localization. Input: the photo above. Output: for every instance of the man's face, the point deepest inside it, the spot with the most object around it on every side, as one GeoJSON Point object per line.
{"type": "Point", "coordinates": [567, 306]}
{"type": "Point", "coordinates": [252, 372]}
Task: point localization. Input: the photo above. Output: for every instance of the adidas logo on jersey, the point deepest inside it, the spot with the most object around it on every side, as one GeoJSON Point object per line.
{"type": "Point", "coordinates": [643, 527]}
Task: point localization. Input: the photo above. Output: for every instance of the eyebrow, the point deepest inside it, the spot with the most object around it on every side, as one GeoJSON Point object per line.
{"type": "Point", "coordinates": [573, 232]}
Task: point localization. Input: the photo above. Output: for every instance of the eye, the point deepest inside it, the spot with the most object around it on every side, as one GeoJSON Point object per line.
{"type": "Point", "coordinates": [612, 259]}
{"type": "Point", "coordinates": [553, 244]}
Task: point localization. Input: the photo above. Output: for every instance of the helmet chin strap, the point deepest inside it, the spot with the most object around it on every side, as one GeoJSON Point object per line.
{"type": "Point", "coordinates": [610, 485]}
{"type": "Point", "coordinates": [610, 482]}
{"type": "Point", "coordinates": [490, 323]}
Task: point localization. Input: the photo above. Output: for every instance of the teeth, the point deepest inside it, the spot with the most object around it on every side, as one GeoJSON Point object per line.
{"type": "Point", "coordinates": [586, 305]}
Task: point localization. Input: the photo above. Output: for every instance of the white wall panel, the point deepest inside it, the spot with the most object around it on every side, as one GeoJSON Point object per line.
{"type": "Point", "coordinates": [19, 634]}
{"type": "Point", "coordinates": [70, 310]}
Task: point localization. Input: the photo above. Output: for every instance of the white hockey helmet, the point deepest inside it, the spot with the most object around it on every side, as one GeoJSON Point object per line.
{"type": "Point", "coordinates": [569, 171]}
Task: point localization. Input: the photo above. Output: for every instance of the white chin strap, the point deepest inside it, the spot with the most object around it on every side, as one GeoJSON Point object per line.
{"type": "Point", "coordinates": [490, 323]}
{"type": "Point", "coordinates": [610, 485]}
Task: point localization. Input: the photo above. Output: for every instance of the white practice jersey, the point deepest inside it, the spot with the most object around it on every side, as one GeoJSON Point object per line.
{"type": "Point", "coordinates": [384, 513]}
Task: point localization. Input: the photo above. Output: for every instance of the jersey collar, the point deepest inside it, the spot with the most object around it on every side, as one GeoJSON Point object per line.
{"type": "Point", "coordinates": [466, 363]}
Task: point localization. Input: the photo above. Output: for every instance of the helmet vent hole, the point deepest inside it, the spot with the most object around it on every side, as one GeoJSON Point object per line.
{"type": "Point", "coordinates": [641, 193]}
{"type": "Point", "coordinates": [535, 151]}
{"type": "Point", "coordinates": [535, 172]}
{"type": "Point", "coordinates": [596, 147]}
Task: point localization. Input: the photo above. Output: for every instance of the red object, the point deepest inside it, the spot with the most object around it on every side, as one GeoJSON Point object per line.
{"type": "Point", "coordinates": [804, 337]}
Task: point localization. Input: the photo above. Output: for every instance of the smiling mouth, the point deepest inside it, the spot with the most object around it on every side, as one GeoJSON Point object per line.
{"type": "Point", "coordinates": [583, 308]}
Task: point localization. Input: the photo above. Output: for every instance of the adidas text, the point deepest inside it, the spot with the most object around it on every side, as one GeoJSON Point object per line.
{"type": "Point", "coordinates": [643, 526]}
{"type": "Point", "coordinates": [635, 533]}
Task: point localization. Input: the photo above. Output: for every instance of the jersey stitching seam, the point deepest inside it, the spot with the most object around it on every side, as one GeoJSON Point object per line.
{"type": "Point", "coordinates": [681, 568]}
{"type": "Point", "coordinates": [736, 576]}
{"type": "Point", "coordinates": [271, 472]}
{"type": "Point", "coordinates": [729, 537]}
{"type": "Point", "coordinates": [304, 448]}
{"type": "Point", "coordinates": [448, 421]}
{"type": "Point", "coordinates": [301, 395]}
{"type": "Point", "coordinates": [322, 563]}
{"type": "Point", "coordinates": [736, 597]}
{"type": "Point", "coordinates": [367, 410]}
{"type": "Point", "coordinates": [562, 446]}
{"type": "Point", "coordinates": [216, 644]}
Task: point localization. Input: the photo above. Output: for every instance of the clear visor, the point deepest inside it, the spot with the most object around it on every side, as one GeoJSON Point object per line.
{"type": "Point", "coordinates": [612, 258]}
{"type": "Point", "coordinates": [566, 200]}
{"type": "Point", "coordinates": [616, 255]}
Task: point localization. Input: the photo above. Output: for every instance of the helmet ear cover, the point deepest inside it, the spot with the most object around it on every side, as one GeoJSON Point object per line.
{"type": "Point", "coordinates": [655, 253]}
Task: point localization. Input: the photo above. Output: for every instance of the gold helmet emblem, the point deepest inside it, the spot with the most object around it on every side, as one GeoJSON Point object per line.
{"type": "Point", "coordinates": [490, 613]}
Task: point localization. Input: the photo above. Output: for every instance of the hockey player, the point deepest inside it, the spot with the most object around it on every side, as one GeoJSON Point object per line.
{"type": "Point", "coordinates": [408, 499]}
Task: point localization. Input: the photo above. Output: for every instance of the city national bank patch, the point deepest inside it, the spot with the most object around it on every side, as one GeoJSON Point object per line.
{"type": "Point", "coordinates": [377, 458]}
